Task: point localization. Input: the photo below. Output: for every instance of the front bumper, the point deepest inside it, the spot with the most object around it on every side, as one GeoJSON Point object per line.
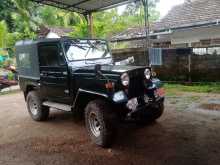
{"type": "Point", "coordinates": [143, 109]}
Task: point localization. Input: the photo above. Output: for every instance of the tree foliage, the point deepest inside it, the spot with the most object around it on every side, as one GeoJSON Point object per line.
{"type": "Point", "coordinates": [110, 22]}
{"type": "Point", "coordinates": [3, 34]}
{"type": "Point", "coordinates": [21, 19]}
{"type": "Point", "coordinates": [6, 7]}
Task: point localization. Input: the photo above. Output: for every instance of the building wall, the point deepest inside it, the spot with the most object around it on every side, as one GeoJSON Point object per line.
{"type": "Point", "coordinates": [175, 64]}
{"type": "Point", "coordinates": [52, 35]}
{"type": "Point", "coordinates": [195, 35]}
{"type": "Point", "coordinates": [140, 57]}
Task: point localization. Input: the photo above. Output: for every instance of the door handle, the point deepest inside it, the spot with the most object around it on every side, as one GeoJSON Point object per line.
{"type": "Point", "coordinates": [43, 74]}
{"type": "Point", "coordinates": [65, 73]}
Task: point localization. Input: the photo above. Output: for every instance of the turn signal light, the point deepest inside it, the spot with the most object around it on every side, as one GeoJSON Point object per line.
{"type": "Point", "coordinates": [109, 85]}
{"type": "Point", "coordinates": [154, 74]}
{"type": "Point", "coordinates": [160, 92]}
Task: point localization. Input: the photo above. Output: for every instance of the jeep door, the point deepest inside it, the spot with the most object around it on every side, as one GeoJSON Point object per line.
{"type": "Point", "coordinates": [53, 73]}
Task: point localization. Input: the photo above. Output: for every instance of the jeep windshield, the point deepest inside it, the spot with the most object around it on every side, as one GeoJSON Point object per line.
{"type": "Point", "coordinates": [78, 50]}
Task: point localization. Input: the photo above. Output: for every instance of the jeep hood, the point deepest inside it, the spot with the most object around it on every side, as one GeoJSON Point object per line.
{"type": "Point", "coordinates": [121, 68]}
{"type": "Point", "coordinates": [109, 69]}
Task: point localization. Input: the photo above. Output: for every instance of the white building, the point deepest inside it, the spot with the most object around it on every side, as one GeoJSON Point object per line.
{"type": "Point", "coordinates": [53, 32]}
{"type": "Point", "coordinates": [195, 23]}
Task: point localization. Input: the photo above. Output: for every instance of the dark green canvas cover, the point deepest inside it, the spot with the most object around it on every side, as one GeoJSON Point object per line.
{"type": "Point", "coordinates": [27, 59]}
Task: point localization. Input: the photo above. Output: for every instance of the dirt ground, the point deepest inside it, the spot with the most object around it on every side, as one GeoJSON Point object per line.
{"type": "Point", "coordinates": [187, 134]}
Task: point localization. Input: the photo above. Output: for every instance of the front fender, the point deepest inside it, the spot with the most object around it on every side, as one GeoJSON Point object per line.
{"type": "Point", "coordinates": [83, 96]}
{"type": "Point", "coordinates": [92, 93]}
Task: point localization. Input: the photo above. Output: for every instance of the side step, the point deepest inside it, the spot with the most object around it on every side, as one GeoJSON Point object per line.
{"type": "Point", "coordinates": [59, 106]}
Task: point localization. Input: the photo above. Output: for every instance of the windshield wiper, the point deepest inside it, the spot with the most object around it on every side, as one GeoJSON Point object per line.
{"type": "Point", "coordinates": [93, 46]}
{"type": "Point", "coordinates": [87, 55]}
{"type": "Point", "coordinates": [76, 44]}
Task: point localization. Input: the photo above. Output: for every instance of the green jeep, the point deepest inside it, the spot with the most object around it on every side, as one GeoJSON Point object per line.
{"type": "Point", "coordinates": [79, 76]}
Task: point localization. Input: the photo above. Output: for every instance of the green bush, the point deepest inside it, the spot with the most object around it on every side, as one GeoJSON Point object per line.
{"type": "Point", "coordinates": [10, 76]}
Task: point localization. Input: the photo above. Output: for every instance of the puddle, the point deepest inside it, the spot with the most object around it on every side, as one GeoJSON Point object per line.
{"type": "Point", "coordinates": [211, 106]}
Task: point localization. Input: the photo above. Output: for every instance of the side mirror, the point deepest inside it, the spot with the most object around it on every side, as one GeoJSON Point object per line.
{"type": "Point", "coordinates": [128, 61]}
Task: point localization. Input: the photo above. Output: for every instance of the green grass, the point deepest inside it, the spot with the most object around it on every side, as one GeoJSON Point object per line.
{"type": "Point", "coordinates": [172, 89]}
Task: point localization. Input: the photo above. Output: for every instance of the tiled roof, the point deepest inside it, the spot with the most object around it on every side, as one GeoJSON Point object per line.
{"type": "Point", "coordinates": [60, 31]}
{"type": "Point", "coordinates": [190, 13]}
{"type": "Point", "coordinates": [135, 32]}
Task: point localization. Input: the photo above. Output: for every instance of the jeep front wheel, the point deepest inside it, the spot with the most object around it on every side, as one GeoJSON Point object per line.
{"type": "Point", "coordinates": [100, 122]}
{"type": "Point", "coordinates": [37, 111]}
{"type": "Point", "coordinates": [151, 115]}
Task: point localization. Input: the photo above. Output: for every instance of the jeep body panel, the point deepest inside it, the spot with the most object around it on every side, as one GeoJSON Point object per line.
{"type": "Point", "coordinates": [54, 74]}
{"type": "Point", "coordinates": [67, 82]}
{"type": "Point", "coordinates": [79, 76]}
{"type": "Point", "coordinates": [86, 78]}
{"type": "Point", "coordinates": [28, 65]}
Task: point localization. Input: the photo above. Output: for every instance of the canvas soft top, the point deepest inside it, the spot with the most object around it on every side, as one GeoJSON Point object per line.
{"type": "Point", "coordinates": [27, 59]}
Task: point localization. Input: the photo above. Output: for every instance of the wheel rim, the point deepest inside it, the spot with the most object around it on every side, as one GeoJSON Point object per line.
{"type": "Point", "coordinates": [33, 107]}
{"type": "Point", "coordinates": [94, 124]}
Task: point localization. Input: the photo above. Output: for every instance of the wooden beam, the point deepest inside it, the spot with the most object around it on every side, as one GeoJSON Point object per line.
{"type": "Point", "coordinates": [90, 25]}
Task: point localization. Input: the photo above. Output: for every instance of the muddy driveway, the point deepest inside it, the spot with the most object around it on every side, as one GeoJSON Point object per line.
{"type": "Point", "coordinates": [187, 134]}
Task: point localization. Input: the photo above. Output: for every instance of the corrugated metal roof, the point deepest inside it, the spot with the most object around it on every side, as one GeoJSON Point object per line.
{"type": "Point", "coordinates": [83, 6]}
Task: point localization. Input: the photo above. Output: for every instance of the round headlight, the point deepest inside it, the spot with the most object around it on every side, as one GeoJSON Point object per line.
{"type": "Point", "coordinates": [125, 79]}
{"type": "Point", "coordinates": [147, 74]}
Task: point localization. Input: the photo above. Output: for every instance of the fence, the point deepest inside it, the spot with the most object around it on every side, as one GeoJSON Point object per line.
{"type": "Point", "coordinates": [178, 64]}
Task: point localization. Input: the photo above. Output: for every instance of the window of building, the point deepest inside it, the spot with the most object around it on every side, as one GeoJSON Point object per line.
{"type": "Point", "coordinates": [195, 44]}
{"type": "Point", "coordinates": [207, 51]}
{"type": "Point", "coordinates": [214, 51]}
{"type": "Point", "coordinates": [200, 51]}
{"type": "Point", "coordinates": [216, 41]}
{"type": "Point", "coordinates": [206, 42]}
{"type": "Point", "coordinates": [182, 45]}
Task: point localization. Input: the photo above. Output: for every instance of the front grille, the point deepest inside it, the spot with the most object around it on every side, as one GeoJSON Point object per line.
{"type": "Point", "coordinates": [136, 86]}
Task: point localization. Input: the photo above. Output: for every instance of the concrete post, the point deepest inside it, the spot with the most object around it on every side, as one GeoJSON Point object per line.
{"type": "Point", "coordinates": [189, 68]}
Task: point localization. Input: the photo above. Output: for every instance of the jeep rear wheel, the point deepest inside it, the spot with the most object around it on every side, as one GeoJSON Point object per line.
{"type": "Point", "coordinates": [37, 111]}
{"type": "Point", "coordinates": [100, 122]}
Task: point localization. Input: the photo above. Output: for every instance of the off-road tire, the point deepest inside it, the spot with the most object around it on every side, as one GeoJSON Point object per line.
{"type": "Point", "coordinates": [42, 112]}
{"type": "Point", "coordinates": [107, 120]}
{"type": "Point", "coordinates": [157, 113]}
